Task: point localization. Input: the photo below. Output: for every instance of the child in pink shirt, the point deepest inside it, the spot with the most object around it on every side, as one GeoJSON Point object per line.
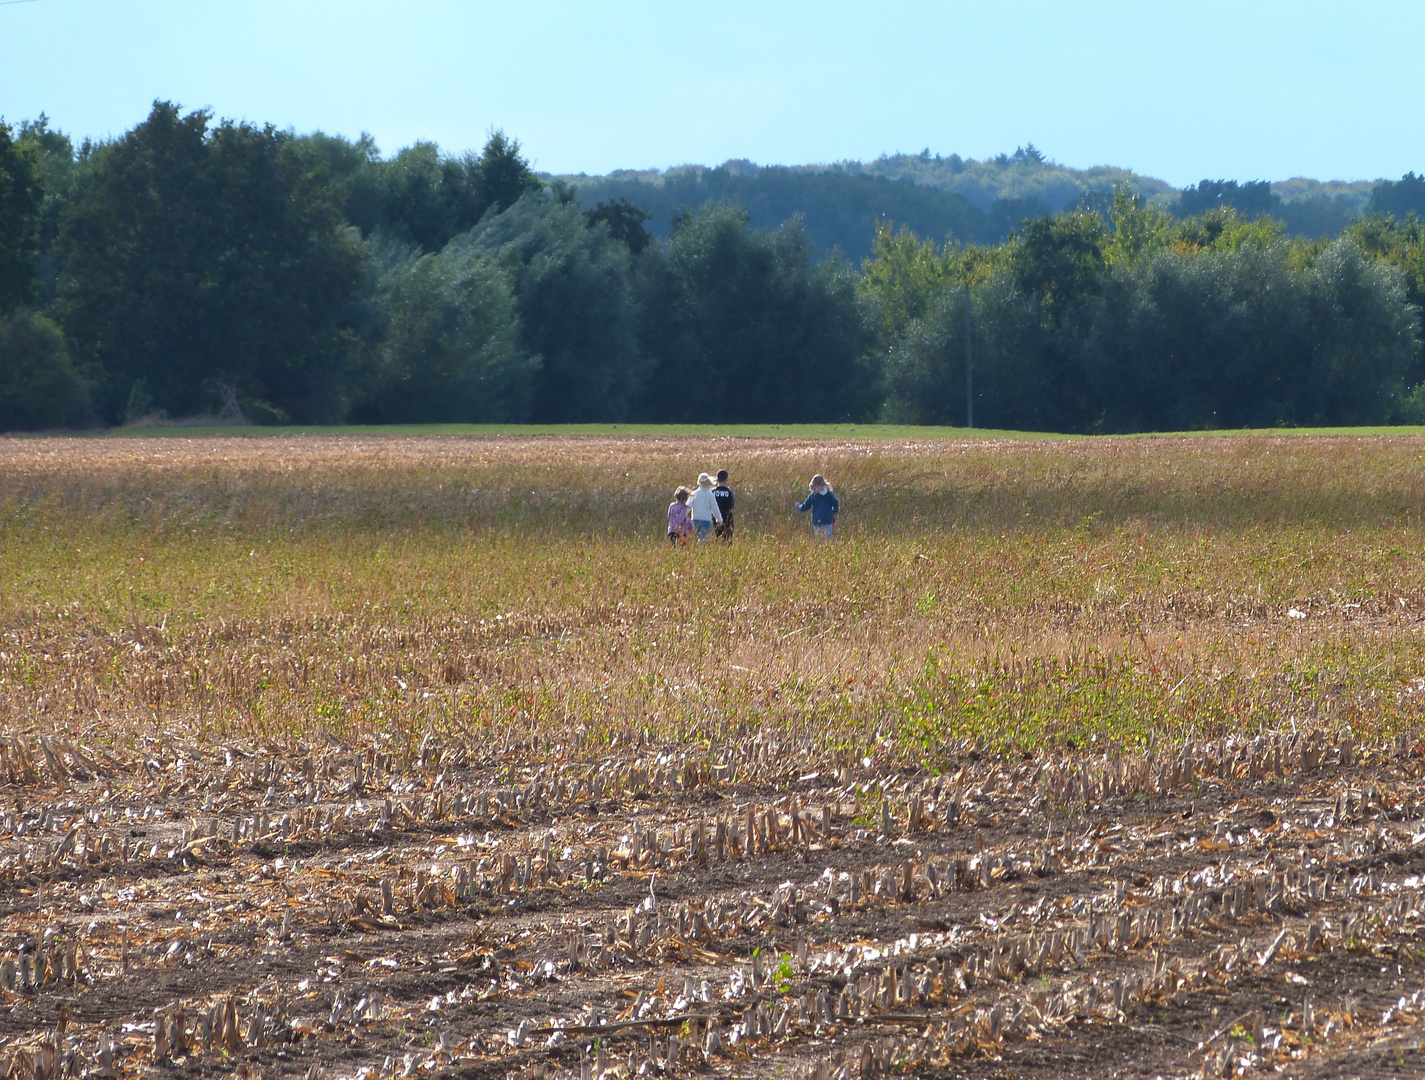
{"type": "Point", "coordinates": [680, 518]}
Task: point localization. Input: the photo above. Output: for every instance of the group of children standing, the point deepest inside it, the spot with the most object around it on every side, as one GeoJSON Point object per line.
{"type": "Point", "coordinates": [707, 509]}
{"type": "Point", "coordinates": [699, 512]}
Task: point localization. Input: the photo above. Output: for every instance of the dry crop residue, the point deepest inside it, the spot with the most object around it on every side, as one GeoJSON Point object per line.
{"type": "Point", "coordinates": [392, 757]}
{"type": "Point", "coordinates": [759, 909]}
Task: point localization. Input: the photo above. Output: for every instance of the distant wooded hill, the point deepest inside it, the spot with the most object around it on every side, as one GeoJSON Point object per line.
{"type": "Point", "coordinates": [197, 267]}
{"type": "Point", "coordinates": [950, 197]}
{"type": "Point", "coordinates": [839, 209]}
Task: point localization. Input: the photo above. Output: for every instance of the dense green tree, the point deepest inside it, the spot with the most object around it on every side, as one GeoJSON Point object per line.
{"type": "Point", "coordinates": [1248, 337]}
{"type": "Point", "coordinates": [349, 169]}
{"type": "Point", "coordinates": [39, 387]}
{"type": "Point", "coordinates": [419, 196]}
{"type": "Point", "coordinates": [426, 198]}
{"type": "Point", "coordinates": [1318, 216]}
{"type": "Point", "coordinates": [577, 309]}
{"type": "Point", "coordinates": [1012, 359]}
{"type": "Point", "coordinates": [901, 278]}
{"type": "Point", "coordinates": [1401, 243]}
{"type": "Point", "coordinates": [1399, 198]}
{"type": "Point", "coordinates": [56, 166]}
{"type": "Point", "coordinates": [753, 329]}
{"type": "Point", "coordinates": [1223, 229]}
{"type": "Point", "coordinates": [504, 176]}
{"type": "Point", "coordinates": [1192, 341]}
{"type": "Point", "coordinates": [448, 349]}
{"type": "Point", "coordinates": [625, 223]}
{"type": "Point", "coordinates": [1363, 333]}
{"type": "Point", "coordinates": [20, 200]}
{"type": "Point", "coordinates": [1060, 262]}
{"type": "Point", "coordinates": [1243, 329]}
{"type": "Point", "coordinates": [1139, 230]}
{"type": "Point", "coordinates": [202, 263]}
{"type": "Point", "coordinates": [1251, 199]}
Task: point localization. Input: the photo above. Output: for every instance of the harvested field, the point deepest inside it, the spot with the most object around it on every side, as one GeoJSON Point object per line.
{"type": "Point", "coordinates": [399, 757]}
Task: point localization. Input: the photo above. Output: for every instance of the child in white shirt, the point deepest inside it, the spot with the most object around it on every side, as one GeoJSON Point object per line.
{"type": "Point", "coordinates": [703, 507]}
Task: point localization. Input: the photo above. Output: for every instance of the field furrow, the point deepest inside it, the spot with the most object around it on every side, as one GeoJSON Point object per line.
{"type": "Point", "coordinates": [365, 759]}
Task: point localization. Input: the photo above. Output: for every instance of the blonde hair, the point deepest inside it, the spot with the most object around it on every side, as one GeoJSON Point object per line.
{"type": "Point", "coordinates": [704, 480]}
{"type": "Point", "coordinates": [681, 495]}
{"type": "Point", "coordinates": [818, 483]}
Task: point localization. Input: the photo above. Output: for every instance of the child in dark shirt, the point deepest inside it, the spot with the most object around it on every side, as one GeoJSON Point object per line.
{"type": "Point", "coordinates": [725, 500]}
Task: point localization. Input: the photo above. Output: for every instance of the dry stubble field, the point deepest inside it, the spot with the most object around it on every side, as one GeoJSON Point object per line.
{"type": "Point", "coordinates": [367, 757]}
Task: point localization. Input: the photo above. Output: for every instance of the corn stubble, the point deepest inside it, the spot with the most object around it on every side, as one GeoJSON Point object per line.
{"type": "Point", "coordinates": [394, 757]}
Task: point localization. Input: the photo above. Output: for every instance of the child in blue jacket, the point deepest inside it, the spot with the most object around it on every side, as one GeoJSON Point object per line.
{"type": "Point", "coordinates": [823, 504]}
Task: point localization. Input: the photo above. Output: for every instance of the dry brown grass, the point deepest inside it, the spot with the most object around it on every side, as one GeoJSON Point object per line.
{"type": "Point", "coordinates": [364, 759]}
{"type": "Point", "coordinates": [1006, 590]}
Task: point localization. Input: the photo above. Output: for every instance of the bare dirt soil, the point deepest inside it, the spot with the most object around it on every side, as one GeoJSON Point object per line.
{"type": "Point", "coordinates": [753, 909]}
{"type": "Point", "coordinates": [376, 759]}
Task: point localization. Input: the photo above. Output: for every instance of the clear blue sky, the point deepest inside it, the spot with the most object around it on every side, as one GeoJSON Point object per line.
{"type": "Point", "coordinates": [1245, 90]}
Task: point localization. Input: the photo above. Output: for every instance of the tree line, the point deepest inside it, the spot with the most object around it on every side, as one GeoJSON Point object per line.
{"type": "Point", "coordinates": [1136, 320]}
{"type": "Point", "coordinates": [204, 267]}
{"type": "Point", "coordinates": [839, 209]}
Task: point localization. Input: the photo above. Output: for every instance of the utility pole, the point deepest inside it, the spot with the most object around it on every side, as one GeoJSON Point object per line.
{"type": "Point", "coordinates": [969, 366]}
